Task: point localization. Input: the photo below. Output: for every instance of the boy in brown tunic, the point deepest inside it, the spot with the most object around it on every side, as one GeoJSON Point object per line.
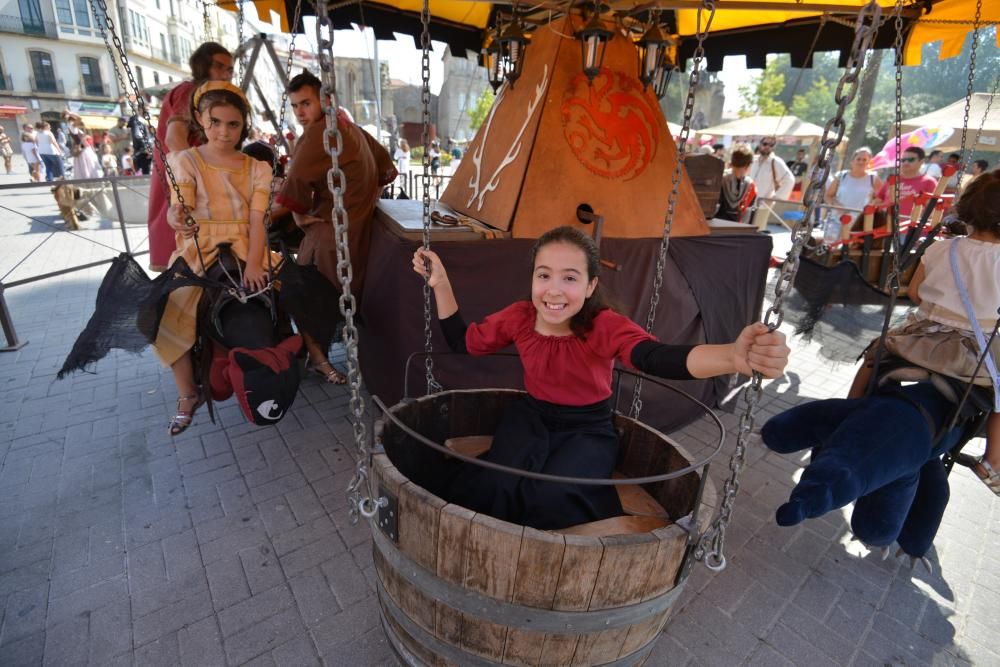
{"type": "Point", "coordinates": [367, 167]}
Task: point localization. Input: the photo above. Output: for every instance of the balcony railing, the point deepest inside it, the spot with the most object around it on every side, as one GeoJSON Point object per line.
{"type": "Point", "coordinates": [6, 82]}
{"type": "Point", "coordinates": [22, 26]}
{"type": "Point", "coordinates": [93, 89]}
{"type": "Point", "coordinates": [46, 85]}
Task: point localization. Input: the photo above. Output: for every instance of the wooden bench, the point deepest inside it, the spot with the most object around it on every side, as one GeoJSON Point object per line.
{"type": "Point", "coordinates": [642, 512]}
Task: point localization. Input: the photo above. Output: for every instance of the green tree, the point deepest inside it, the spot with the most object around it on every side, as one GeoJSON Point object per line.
{"type": "Point", "coordinates": [761, 94]}
{"type": "Point", "coordinates": [479, 110]}
{"type": "Point", "coordinates": [816, 105]}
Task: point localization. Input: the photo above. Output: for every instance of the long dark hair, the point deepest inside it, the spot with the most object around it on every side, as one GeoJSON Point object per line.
{"type": "Point", "coordinates": [216, 98]}
{"type": "Point", "coordinates": [979, 206]}
{"type": "Point", "coordinates": [581, 323]}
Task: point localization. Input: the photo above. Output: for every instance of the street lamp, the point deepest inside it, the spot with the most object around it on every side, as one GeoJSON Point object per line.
{"type": "Point", "coordinates": [652, 49]}
{"type": "Point", "coordinates": [494, 63]}
{"type": "Point", "coordinates": [512, 43]}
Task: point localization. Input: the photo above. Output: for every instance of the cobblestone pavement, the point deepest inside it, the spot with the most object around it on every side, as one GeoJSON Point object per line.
{"type": "Point", "coordinates": [230, 544]}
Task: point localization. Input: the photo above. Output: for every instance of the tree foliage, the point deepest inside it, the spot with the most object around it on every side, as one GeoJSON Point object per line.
{"type": "Point", "coordinates": [481, 109]}
{"type": "Point", "coordinates": [762, 94]}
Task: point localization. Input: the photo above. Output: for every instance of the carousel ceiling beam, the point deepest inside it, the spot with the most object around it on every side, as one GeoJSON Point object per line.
{"type": "Point", "coordinates": [627, 7]}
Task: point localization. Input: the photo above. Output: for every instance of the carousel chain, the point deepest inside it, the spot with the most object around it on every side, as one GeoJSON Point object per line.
{"type": "Point", "coordinates": [151, 141]}
{"type": "Point", "coordinates": [358, 493]}
{"type": "Point", "coordinates": [281, 115]}
{"type": "Point", "coordinates": [240, 18]}
{"type": "Point", "coordinates": [986, 115]}
{"type": "Point", "coordinates": [711, 545]}
{"type": "Point", "coordinates": [892, 280]}
{"type": "Point", "coordinates": [968, 93]}
{"type": "Point", "coordinates": [208, 21]}
{"type": "Point", "coordinates": [425, 100]}
{"type": "Point", "coordinates": [675, 181]}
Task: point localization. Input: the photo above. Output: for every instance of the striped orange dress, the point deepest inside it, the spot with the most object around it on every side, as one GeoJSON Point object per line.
{"type": "Point", "coordinates": [220, 200]}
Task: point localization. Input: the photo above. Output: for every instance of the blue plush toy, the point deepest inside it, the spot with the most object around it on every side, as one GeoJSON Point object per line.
{"type": "Point", "coordinates": [883, 452]}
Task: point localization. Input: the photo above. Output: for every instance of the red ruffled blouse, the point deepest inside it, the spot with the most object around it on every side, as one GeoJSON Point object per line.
{"type": "Point", "coordinates": [560, 369]}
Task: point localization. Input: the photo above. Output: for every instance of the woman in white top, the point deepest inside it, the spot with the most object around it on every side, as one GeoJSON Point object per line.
{"type": "Point", "coordinates": [30, 152]}
{"type": "Point", "coordinates": [853, 188]}
{"type": "Point", "coordinates": [85, 161]}
{"type": "Point", "coordinates": [49, 150]}
{"type": "Point", "coordinates": [402, 159]}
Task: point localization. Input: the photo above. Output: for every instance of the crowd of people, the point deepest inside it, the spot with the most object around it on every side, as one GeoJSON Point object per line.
{"type": "Point", "coordinates": [756, 175]}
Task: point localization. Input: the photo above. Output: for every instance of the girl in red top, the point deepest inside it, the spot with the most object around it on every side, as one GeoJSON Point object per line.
{"type": "Point", "coordinates": [568, 340]}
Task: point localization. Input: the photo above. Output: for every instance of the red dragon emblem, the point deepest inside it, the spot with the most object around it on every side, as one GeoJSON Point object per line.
{"type": "Point", "coordinates": [610, 126]}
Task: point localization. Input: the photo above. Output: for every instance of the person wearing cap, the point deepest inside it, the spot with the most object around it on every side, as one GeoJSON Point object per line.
{"type": "Point", "coordinates": [121, 137]}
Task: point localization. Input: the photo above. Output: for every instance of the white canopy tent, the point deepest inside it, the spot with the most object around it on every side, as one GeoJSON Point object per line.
{"type": "Point", "coordinates": [952, 115]}
{"type": "Point", "coordinates": [755, 127]}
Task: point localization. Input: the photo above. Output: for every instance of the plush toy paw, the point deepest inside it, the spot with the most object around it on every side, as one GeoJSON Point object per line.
{"type": "Point", "coordinates": [791, 513]}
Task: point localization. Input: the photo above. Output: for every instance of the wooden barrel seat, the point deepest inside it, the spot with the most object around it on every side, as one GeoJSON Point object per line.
{"type": "Point", "coordinates": [457, 588]}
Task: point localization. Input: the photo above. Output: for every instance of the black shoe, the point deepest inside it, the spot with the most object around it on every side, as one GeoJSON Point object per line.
{"type": "Point", "coordinates": [81, 216]}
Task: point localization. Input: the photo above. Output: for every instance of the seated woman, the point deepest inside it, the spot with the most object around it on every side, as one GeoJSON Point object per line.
{"type": "Point", "coordinates": [882, 450]}
{"type": "Point", "coordinates": [568, 340]}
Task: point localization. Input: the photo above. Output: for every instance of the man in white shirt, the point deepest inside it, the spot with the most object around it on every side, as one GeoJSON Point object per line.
{"type": "Point", "coordinates": [772, 177]}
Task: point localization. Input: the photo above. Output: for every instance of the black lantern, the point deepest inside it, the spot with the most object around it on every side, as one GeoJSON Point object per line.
{"type": "Point", "coordinates": [594, 39]}
{"type": "Point", "coordinates": [512, 43]}
{"type": "Point", "coordinates": [494, 64]}
{"type": "Point", "coordinates": [652, 48]}
{"type": "Point", "coordinates": [661, 80]}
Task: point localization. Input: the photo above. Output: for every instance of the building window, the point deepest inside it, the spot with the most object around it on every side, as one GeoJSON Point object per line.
{"type": "Point", "coordinates": [156, 77]}
{"type": "Point", "coordinates": [31, 17]}
{"type": "Point", "coordinates": [137, 23]}
{"type": "Point", "coordinates": [73, 14]}
{"type": "Point", "coordinates": [92, 83]}
{"type": "Point", "coordinates": [138, 75]}
{"type": "Point", "coordinates": [43, 74]}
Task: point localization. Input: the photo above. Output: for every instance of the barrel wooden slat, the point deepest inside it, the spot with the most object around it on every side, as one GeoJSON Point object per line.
{"type": "Point", "coordinates": [454, 523]}
{"type": "Point", "coordinates": [558, 650]}
{"type": "Point", "coordinates": [663, 567]}
{"type": "Point", "coordinates": [599, 647]}
{"type": "Point", "coordinates": [418, 531]}
{"type": "Point", "coordinates": [624, 570]}
{"type": "Point", "coordinates": [535, 586]}
{"type": "Point", "coordinates": [578, 573]}
{"type": "Point", "coordinates": [410, 599]}
{"type": "Point", "coordinates": [491, 553]}
{"type": "Point", "coordinates": [641, 633]}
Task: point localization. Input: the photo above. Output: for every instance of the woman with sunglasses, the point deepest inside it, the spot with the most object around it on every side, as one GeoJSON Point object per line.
{"type": "Point", "coordinates": [911, 182]}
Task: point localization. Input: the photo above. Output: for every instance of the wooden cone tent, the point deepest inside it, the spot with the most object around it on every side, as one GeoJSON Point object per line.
{"type": "Point", "coordinates": [554, 142]}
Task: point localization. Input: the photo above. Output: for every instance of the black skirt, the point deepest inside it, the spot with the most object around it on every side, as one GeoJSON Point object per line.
{"type": "Point", "coordinates": [553, 439]}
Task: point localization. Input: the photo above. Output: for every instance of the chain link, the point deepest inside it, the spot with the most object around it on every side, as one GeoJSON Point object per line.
{"type": "Point", "coordinates": [968, 95]}
{"type": "Point", "coordinates": [358, 493]}
{"type": "Point", "coordinates": [892, 280]}
{"type": "Point", "coordinates": [149, 138]}
{"type": "Point", "coordinates": [207, 19]}
{"type": "Point", "coordinates": [711, 545]}
{"type": "Point", "coordinates": [675, 182]}
{"type": "Point", "coordinates": [425, 180]}
{"type": "Point", "coordinates": [240, 19]}
{"type": "Point", "coordinates": [986, 115]}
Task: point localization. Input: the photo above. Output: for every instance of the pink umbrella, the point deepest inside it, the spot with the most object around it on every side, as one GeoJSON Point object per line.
{"type": "Point", "coordinates": [923, 137]}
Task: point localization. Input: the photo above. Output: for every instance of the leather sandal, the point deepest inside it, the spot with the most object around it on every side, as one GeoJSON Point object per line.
{"type": "Point", "coordinates": [326, 370]}
{"type": "Point", "coordinates": [990, 477]}
{"type": "Point", "coordinates": [180, 421]}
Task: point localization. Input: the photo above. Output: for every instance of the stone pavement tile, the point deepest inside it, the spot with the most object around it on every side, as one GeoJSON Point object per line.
{"type": "Point", "coordinates": [110, 632]}
{"type": "Point", "coordinates": [146, 566]}
{"type": "Point", "coordinates": [27, 651]}
{"type": "Point", "coordinates": [201, 644]}
{"type": "Point", "coordinates": [181, 554]}
{"type": "Point", "coordinates": [905, 603]}
{"type": "Point", "coordinates": [798, 649]}
{"type": "Point", "coordinates": [87, 600]}
{"type": "Point", "coordinates": [312, 554]}
{"type": "Point", "coordinates": [346, 579]}
{"type": "Point", "coordinates": [314, 596]}
{"type": "Point", "coordinates": [227, 582]}
{"type": "Point", "coordinates": [64, 583]}
{"type": "Point", "coordinates": [172, 617]}
{"type": "Point", "coordinates": [300, 652]}
{"type": "Point", "coordinates": [156, 525]}
{"type": "Point", "coordinates": [666, 651]}
{"type": "Point", "coordinates": [710, 635]}
{"type": "Point", "coordinates": [985, 607]}
{"type": "Point", "coordinates": [255, 609]}
{"type": "Point", "coordinates": [34, 551]}
{"type": "Point", "coordinates": [894, 633]}
{"type": "Point", "coordinates": [332, 633]}
{"type": "Point", "coordinates": [817, 596]}
{"type": "Point", "coordinates": [71, 550]}
{"type": "Point", "coordinates": [152, 598]}
{"type": "Point", "coordinates": [299, 536]}
{"type": "Point", "coordinates": [63, 642]}
{"type": "Point", "coordinates": [758, 610]}
{"type": "Point", "coordinates": [163, 651]}
{"type": "Point", "coordinates": [233, 541]}
{"type": "Point", "coordinates": [24, 613]}
{"type": "Point", "coordinates": [24, 578]}
{"type": "Point", "coordinates": [261, 567]}
{"type": "Point", "coordinates": [834, 646]}
{"type": "Point", "coordinates": [843, 571]}
{"type": "Point", "coordinates": [235, 497]}
{"type": "Point", "coordinates": [264, 636]}
{"type": "Point", "coordinates": [305, 504]}
{"type": "Point", "coordinates": [766, 656]}
{"type": "Point", "coordinates": [277, 516]}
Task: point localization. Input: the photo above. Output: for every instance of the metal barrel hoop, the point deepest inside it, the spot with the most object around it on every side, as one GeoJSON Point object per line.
{"type": "Point", "coordinates": [710, 548]}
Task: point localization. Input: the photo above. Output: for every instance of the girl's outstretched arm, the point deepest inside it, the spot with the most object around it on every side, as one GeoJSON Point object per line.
{"type": "Point", "coordinates": [255, 276]}
{"type": "Point", "coordinates": [437, 278]}
{"type": "Point", "coordinates": [755, 349]}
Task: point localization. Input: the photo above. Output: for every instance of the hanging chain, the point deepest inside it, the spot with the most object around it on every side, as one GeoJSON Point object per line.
{"type": "Point", "coordinates": [240, 18]}
{"type": "Point", "coordinates": [208, 21]}
{"type": "Point", "coordinates": [149, 138]}
{"type": "Point", "coordinates": [281, 116]}
{"type": "Point", "coordinates": [986, 115]}
{"type": "Point", "coordinates": [892, 281]}
{"type": "Point", "coordinates": [675, 182]}
{"type": "Point", "coordinates": [358, 494]}
{"type": "Point", "coordinates": [711, 545]}
{"type": "Point", "coordinates": [968, 96]}
{"type": "Point", "coordinates": [425, 179]}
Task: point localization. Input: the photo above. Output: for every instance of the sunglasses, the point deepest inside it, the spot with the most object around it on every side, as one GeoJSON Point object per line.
{"type": "Point", "coordinates": [909, 159]}
{"type": "Point", "coordinates": [766, 144]}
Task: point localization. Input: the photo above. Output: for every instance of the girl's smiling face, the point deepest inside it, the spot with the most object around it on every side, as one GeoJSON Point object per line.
{"type": "Point", "coordinates": [223, 126]}
{"type": "Point", "coordinates": [559, 286]}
